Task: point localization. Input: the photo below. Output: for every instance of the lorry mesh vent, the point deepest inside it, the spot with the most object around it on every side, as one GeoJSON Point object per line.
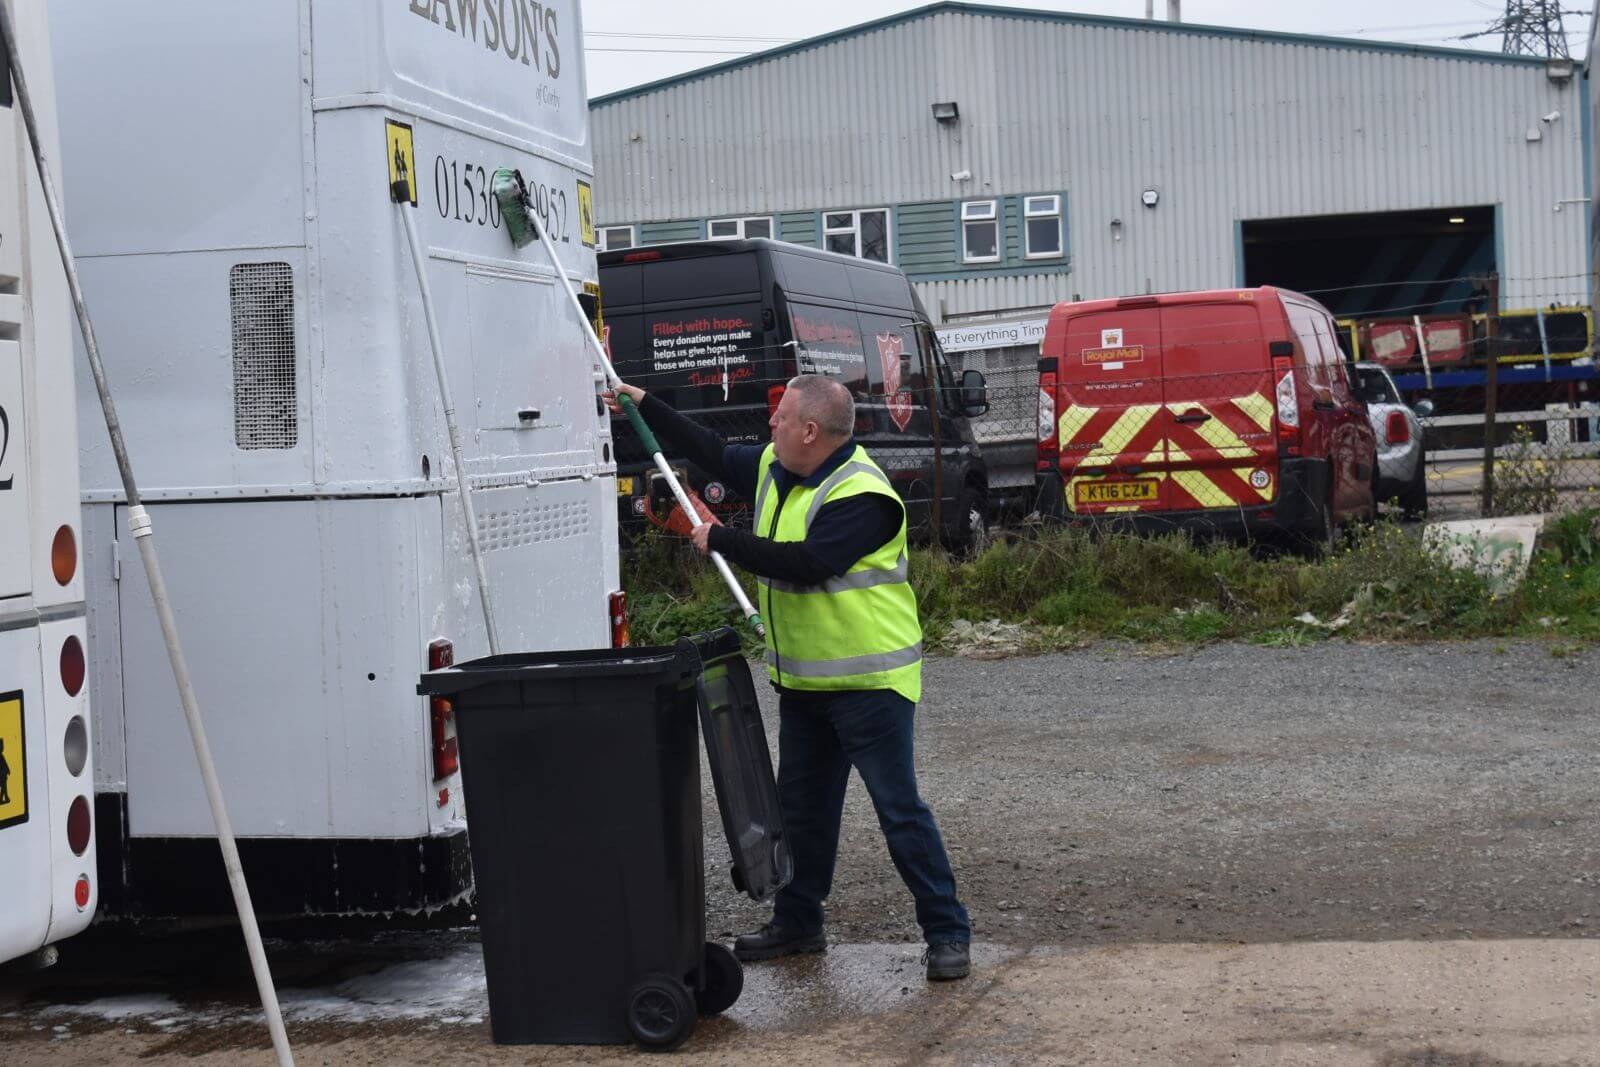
{"type": "Point", "coordinates": [532, 525]}
{"type": "Point", "coordinates": [265, 409]}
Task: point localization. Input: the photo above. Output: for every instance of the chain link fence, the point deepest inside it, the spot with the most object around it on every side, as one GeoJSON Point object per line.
{"type": "Point", "coordinates": [1535, 450]}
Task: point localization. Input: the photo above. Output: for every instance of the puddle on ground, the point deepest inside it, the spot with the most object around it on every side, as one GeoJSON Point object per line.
{"type": "Point", "coordinates": [442, 986]}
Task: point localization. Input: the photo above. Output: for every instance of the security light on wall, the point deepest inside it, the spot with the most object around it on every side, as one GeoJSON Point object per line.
{"type": "Point", "coordinates": [946, 112]}
{"type": "Point", "coordinates": [1559, 71]}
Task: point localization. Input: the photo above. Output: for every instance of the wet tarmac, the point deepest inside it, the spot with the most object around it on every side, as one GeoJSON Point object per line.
{"type": "Point", "coordinates": [429, 979]}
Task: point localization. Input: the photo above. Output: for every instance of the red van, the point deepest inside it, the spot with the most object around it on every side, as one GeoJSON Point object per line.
{"type": "Point", "coordinates": [1228, 411]}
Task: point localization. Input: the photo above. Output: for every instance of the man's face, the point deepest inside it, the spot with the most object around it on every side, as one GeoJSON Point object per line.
{"type": "Point", "coordinates": [790, 433]}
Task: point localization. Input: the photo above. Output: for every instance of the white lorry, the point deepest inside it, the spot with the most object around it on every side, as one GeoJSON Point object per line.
{"type": "Point", "coordinates": [48, 885]}
{"type": "Point", "coordinates": [228, 193]}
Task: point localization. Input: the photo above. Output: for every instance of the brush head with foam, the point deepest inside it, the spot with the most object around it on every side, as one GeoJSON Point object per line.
{"type": "Point", "coordinates": [512, 194]}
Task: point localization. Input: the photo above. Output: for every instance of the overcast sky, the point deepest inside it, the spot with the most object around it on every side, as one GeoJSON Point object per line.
{"type": "Point", "coordinates": [634, 41]}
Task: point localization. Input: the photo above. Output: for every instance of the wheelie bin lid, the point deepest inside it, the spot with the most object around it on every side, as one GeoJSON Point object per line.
{"type": "Point", "coordinates": [730, 722]}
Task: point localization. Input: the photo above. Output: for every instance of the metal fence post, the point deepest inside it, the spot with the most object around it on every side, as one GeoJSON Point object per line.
{"type": "Point", "coordinates": [1490, 391]}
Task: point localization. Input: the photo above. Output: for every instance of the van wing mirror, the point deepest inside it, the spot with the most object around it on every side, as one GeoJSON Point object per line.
{"type": "Point", "coordinates": [974, 394]}
{"type": "Point", "coordinates": [1423, 408]}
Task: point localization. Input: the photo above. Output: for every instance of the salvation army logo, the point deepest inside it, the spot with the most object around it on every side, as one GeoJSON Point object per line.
{"type": "Point", "coordinates": [716, 493]}
{"type": "Point", "coordinates": [891, 346]}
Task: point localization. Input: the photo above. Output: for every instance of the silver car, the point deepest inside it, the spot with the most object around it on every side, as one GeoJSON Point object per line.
{"type": "Point", "coordinates": [1402, 470]}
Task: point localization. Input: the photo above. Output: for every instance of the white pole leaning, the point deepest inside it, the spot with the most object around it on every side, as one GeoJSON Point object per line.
{"type": "Point", "coordinates": [454, 430]}
{"type": "Point", "coordinates": [140, 527]}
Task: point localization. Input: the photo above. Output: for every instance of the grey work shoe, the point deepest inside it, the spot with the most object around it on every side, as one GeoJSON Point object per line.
{"type": "Point", "coordinates": [772, 941]}
{"type": "Point", "coordinates": [948, 960]}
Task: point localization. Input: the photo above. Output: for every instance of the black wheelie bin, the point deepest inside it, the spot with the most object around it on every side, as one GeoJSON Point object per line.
{"type": "Point", "coordinates": [582, 779]}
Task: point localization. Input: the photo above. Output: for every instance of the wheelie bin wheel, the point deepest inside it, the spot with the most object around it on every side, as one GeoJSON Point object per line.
{"type": "Point", "coordinates": [661, 1013]}
{"type": "Point", "coordinates": [724, 980]}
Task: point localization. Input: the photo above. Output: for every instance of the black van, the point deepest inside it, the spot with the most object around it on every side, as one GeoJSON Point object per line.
{"type": "Point", "coordinates": [717, 328]}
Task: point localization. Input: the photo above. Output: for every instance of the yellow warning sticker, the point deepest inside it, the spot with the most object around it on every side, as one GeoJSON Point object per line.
{"type": "Point", "coordinates": [402, 156]}
{"type": "Point", "coordinates": [13, 762]}
{"type": "Point", "coordinates": [586, 214]}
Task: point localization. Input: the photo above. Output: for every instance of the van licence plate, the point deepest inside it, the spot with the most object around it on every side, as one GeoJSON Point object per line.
{"type": "Point", "coordinates": [1139, 491]}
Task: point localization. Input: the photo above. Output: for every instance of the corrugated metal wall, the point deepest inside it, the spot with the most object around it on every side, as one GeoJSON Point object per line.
{"type": "Point", "coordinates": [1228, 128]}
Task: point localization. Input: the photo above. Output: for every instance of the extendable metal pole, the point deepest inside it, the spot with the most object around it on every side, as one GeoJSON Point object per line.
{"type": "Point", "coordinates": [139, 525]}
{"type": "Point", "coordinates": [454, 430]}
{"type": "Point", "coordinates": [751, 615]}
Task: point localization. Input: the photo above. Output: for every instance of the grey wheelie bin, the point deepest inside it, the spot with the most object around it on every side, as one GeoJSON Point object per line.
{"type": "Point", "coordinates": [582, 779]}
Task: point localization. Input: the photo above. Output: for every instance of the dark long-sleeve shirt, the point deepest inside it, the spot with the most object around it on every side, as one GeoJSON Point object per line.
{"type": "Point", "coordinates": [842, 533]}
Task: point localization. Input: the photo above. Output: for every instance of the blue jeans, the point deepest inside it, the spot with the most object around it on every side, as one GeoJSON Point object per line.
{"type": "Point", "coordinates": [820, 737]}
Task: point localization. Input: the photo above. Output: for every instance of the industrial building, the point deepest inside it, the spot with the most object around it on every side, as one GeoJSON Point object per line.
{"type": "Point", "coordinates": [1008, 158]}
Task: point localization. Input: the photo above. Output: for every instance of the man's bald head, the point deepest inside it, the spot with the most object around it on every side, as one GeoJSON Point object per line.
{"type": "Point", "coordinates": [825, 402]}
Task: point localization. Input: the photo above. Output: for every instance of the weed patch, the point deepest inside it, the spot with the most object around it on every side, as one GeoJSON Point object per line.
{"type": "Point", "coordinates": [1063, 586]}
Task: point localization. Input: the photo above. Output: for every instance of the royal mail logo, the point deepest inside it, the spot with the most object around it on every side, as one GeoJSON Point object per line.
{"type": "Point", "coordinates": [891, 347]}
{"type": "Point", "coordinates": [1125, 354]}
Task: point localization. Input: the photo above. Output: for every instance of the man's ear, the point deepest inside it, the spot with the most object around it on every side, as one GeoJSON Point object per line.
{"type": "Point", "coordinates": [813, 433]}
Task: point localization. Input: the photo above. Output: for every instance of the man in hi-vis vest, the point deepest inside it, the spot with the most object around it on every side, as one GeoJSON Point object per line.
{"type": "Point", "coordinates": [844, 650]}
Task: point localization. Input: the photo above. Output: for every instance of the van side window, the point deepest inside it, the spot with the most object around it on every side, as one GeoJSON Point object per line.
{"type": "Point", "coordinates": [1338, 376]}
{"type": "Point", "coordinates": [1303, 322]}
{"type": "Point", "coordinates": [894, 353]}
{"type": "Point", "coordinates": [829, 341]}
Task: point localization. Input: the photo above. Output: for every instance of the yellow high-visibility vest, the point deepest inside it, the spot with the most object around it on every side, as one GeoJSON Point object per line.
{"type": "Point", "coordinates": [859, 631]}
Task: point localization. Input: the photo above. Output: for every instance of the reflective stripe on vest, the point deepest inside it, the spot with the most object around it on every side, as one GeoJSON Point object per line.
{"type": "Point", "coordinates": [855, 631]}
{"type": "Point", "coordinates": [838, 668]}
{"type": "Point", "coordinates": [854, 580]}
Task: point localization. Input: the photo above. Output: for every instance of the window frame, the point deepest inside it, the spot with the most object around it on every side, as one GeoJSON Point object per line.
{"type": "Point", "coordinates": [740, 222]}
{"type": "Point", "coordinates": [854, 230]}
{"type": "Point", "coordinates": [992, 218]}
{"type": "Point", "coordinates": [604, 244]}
{"type": "Point", "coordinates": [1030, 215]}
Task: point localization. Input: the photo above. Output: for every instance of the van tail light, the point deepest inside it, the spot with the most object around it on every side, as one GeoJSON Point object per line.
{"type": "Point", "coordinates": [1288, 405]}
{"type": "Point", "coordinates": [1397, 431]}
{"type": "Point", "coordinates": [774, 396]}
{"type": "Point", "coordinates": [442, 715]}
{"type": "Point", "coordinates": [617, 609]}
{"type": "Point", "coordinates": [1049, 444]}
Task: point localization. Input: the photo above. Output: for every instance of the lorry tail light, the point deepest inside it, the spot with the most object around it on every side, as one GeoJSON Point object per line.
{"type": "Point", "coordinates": [80, 892]}
{"type": "Point", "coordinates": [1288, 404]}
{"type": "Point", "coordinates": [72, 665]}
{"type": "Point", "coordinates": [1397, 431]}
{"type": "Point", "coordinates": [64, 555]}
{"type": "Point", "coordinates": [774, 395]}
{"type": "Point", "coordinates": [617, 609]}
{"type": "Point", "coordinates": [442, 715]}
{"type": "Point", "coordinates": [79, 826]}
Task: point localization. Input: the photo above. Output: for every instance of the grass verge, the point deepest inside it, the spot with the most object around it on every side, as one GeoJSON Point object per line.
{"type": "Point", "coordinates": [1057, 587]}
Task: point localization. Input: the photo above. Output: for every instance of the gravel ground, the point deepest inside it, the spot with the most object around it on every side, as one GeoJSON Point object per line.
{"type": "Point", "coordinates": [1340, 854]}
{"type": "Point", "coordinates": [1245, 794]}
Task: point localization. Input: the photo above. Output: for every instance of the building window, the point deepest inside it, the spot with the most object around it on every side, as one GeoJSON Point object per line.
{"type": "Point", "coordinates": [732, 229]}
{"type": "Point", "coordinates": [1041, 218]}
{"type": "Point", "coordinates": [615, 237]}
{"type": "Point", "coordinates": [864, 234]}
{"type": "Point", "coordinates": [980, 231]}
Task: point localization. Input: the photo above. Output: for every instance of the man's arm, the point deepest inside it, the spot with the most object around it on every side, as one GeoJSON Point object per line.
{"type": "Point", "coordinates": [736, 465]}
{"type": "Point", "coordinates": [840, 536]}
